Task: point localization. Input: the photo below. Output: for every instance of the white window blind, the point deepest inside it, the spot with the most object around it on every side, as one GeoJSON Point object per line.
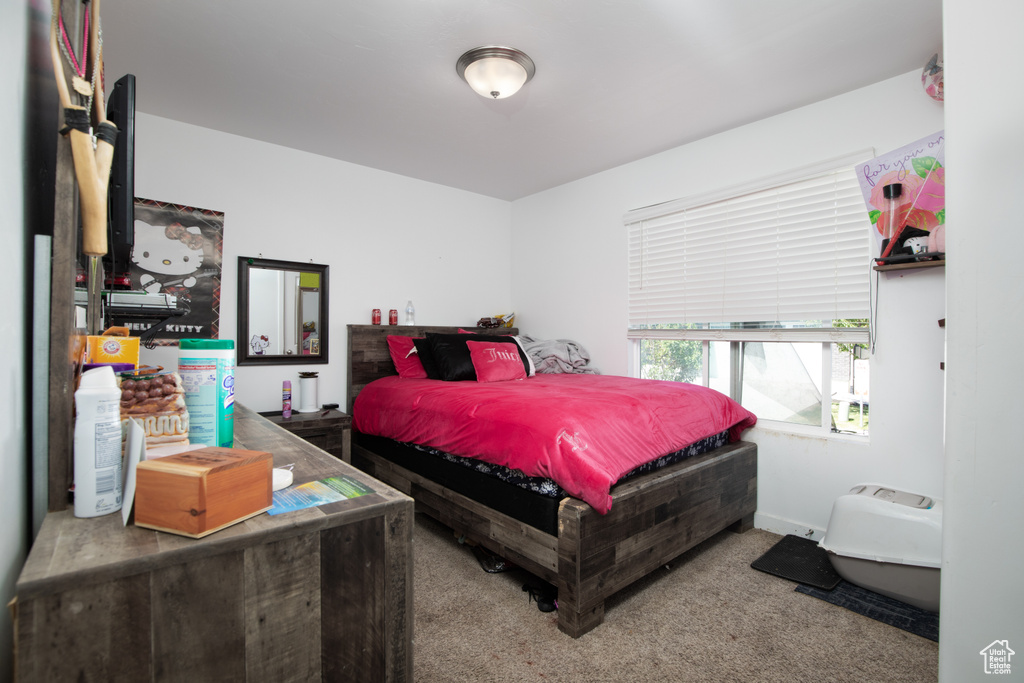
{"type": "Point", "coordinates": [795, 247]}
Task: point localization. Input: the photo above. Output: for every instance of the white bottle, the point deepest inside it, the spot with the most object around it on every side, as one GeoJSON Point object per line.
{"type": "Point", "coordinates": [410, 314]}
{"type": "Point", "coordinates": [98, 468]}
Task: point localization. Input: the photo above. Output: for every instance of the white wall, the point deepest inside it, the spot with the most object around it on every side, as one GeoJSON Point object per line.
{"type": "Point", "coordinates": [983, 541]}
{"type": "Point", "coordinates": [14, 456]}
{"type": "Point", "coordinates": [386, 238]}
{"type": "Point", "coordinates": [569, 280]}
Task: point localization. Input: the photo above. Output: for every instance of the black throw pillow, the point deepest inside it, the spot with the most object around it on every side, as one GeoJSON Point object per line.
{"type": "Point", "coordinates": [450, 355]}
{"type": "Point", "coordinates": [426, 355]}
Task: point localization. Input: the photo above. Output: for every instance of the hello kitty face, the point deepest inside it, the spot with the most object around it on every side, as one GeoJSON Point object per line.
{"type": "Point", "coordinates": [174, 250]}
{"type": "Point", "coordinates": [259, 344]}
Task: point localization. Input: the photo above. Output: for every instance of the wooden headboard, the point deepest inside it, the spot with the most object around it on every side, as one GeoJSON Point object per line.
{"type": "Point", "coordinates": [369, 358]}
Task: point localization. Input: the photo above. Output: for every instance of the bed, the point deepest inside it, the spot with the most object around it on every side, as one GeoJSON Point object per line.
{"type": "Point", "coordinates": [652, 517]}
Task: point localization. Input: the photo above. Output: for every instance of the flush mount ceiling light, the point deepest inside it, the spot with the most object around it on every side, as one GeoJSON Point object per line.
{"type": "Point", "coordinates": [495, 71]}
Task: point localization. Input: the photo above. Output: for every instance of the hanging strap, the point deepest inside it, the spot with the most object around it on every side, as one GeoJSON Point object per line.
{"type": "Point", "coordinates": [92, 164]}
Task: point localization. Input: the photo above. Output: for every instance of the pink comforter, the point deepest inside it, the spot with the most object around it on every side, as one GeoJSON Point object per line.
{"type": "Point", "coordinates": [583, 431]}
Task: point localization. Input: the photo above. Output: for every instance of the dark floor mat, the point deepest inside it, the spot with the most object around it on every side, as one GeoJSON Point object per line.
{"type": "Point", "coordinates": [880, 608]}
{"type": "Point", "coordinates": [801, 560]}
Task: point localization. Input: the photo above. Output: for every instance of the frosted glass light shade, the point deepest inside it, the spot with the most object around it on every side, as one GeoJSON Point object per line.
{"type": "Point", "coordinates": [496, 72]}
{"type": "Point", "coordinates": [495, 77]}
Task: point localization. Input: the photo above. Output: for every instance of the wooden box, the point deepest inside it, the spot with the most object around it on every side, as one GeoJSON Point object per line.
{"type": "Point", "coordinates": [202, 491]}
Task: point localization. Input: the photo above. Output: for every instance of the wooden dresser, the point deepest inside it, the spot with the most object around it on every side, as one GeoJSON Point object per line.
{"type": "Point", "coordinates": [330, 430]}
{"type": "Point", "coordinates": [323, 593]}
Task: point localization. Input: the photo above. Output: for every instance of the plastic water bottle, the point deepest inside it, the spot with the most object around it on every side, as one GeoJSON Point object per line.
{"type": "Point", "coordinates": [410, 314]}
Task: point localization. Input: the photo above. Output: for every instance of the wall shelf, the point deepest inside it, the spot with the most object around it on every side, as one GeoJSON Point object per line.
{"type": "Point", "coordinates": [913, 264]}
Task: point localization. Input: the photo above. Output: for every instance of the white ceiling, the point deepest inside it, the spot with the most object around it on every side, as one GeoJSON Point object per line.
{"type": "Point", "coordinates": [374, 82]}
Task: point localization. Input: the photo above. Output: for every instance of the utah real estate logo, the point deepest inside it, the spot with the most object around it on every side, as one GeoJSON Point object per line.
{"type": "Point", "coordinates": [997, 657]}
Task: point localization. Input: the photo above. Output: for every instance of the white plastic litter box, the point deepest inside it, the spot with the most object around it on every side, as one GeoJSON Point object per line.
{"type": "Point", "coordinates": [889, 542]}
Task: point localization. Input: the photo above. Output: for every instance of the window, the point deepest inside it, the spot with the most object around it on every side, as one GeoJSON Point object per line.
{"type": "Point", "coordinates": [761, 292]}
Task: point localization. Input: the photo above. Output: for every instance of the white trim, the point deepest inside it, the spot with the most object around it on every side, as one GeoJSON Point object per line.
{"type": "Point", "coordinates": [785, 527]}
{"type": "Point", "coordinates": [779, 427]}
{"type": "Point", "coordinates": [705, 362]}
{"type": "Point", "coordinates": [847, 335]}
{"type": "Point", "coordinates": [826, 388]}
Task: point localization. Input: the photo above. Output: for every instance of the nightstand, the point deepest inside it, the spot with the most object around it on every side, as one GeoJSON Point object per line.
{"type": "Point", "coordinates": [329, 429]}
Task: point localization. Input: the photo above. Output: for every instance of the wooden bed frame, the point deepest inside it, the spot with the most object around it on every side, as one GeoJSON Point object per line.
{"type": "Point", "coordinates": [654, 518]}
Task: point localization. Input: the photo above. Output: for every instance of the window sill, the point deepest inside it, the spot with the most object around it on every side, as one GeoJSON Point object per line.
{"type": "Point", "coordinates": [808, 431]}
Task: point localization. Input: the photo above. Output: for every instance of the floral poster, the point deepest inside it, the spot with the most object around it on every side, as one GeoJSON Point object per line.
{"type": "Point", "coordinates": [178, 251]}
{"type": "Point", "coordinates": [920, 168]}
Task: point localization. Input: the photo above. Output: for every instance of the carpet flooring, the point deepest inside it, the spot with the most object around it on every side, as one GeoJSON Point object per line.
{"type": "Point", "coordinates": [705, 617]}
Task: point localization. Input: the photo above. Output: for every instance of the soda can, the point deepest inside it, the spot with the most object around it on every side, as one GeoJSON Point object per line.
{"type": "Point", "coordinates": [393, 316]}
{"type": "Point", "coordinates": [375, 319]}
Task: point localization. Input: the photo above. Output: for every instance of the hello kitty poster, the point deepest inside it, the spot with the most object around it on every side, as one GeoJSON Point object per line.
{"type": "Point", "coordinates": [178, 250]}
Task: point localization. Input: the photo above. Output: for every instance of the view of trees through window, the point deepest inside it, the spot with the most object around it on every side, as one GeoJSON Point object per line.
{"type": "Point", "coordinates": [676, 360]}
{"type": "Point", "coordinates": [777, 380]}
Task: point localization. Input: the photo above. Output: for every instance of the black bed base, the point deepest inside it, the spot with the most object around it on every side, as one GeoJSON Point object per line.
{"type": "Point", "coordinates": [529, 507]}
{"type": "Point", "coordinates": [539, 511]}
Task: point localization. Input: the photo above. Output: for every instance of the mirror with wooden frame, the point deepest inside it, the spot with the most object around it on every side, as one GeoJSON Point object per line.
{"type": "Point", "coordinates": [282, 312]}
